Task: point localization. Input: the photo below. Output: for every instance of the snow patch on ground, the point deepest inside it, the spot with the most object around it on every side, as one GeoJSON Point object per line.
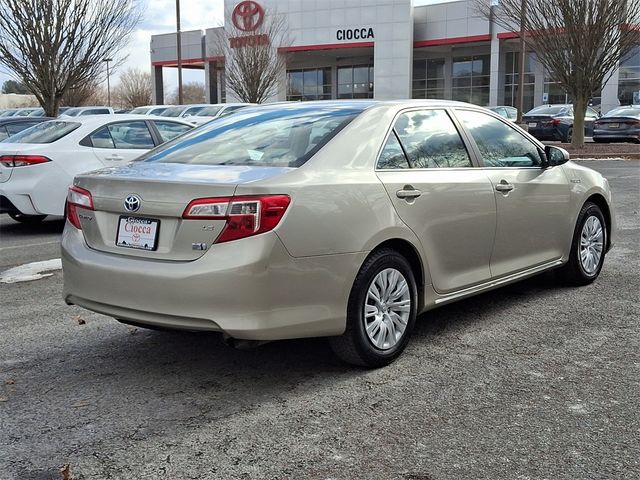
{"type": "Point", "coordinates": [30, 271]}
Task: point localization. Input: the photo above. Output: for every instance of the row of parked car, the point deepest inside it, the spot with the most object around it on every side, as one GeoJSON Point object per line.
{"type": "Point", "coordinates": [555, 122]}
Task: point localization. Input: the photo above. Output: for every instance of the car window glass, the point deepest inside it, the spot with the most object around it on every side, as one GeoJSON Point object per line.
{"type": "Point", "coordinates": [500, 144]}
{"type": "Point", "coordinates": [431, 140]}
{"type": "Point", "coordinates": [46, 132]}
{"type": "Point", "coordinates": [95, 111]}
{"type": "Point", "coordinates": [591, 112]}
{"type": "Point", "coordinates": [170, 130]}
{"type": "Point", "coordinates": [392, 155]}
{"type": "Point", "coordinates": [14, 128]}
{"type": "Point", "coordinates": [131, 135]}
{"type": "Point", "coordinates": [3, 133]}
{"type": "Point", "coordinates": [265, 138]}
{"type": "Point", "coordinates": [102, 139]}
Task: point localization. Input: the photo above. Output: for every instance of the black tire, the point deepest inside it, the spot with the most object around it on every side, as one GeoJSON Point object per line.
{"type": "Point", "coordinates": [573, 272]}
{"type": "Point", "coordinates": [568, 136]}
{"type": "Point", "coordinates": [354, 346]}
{"type": "Point", "coordinates": [27, 219]}
{"type": "Point", "coordinates": [601, 140]}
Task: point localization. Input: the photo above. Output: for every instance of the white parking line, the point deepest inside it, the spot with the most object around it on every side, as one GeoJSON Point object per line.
{"type": "Point", "coordinates": [30, 271]}
{"type": "Point", "coordinates": [29, 245]}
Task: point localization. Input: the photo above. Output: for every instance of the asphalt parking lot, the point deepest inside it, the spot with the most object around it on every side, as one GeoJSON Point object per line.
{"type": "Point", "coordinates": [533, 381]}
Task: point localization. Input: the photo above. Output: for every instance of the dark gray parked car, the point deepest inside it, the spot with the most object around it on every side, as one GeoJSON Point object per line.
{"type": "Point", "coordinates": [619, 125]}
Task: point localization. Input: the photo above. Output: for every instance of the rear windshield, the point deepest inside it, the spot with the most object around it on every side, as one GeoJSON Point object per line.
{"type": "Point", "coordinates": [280, 137]}
{"type": "Point", "coordinates": [140, 110]}
{"type": "Point", "coordinates": [46, 132]}
{"type": "Point", "coordinates": [549, 110]}
{"type": "Point", "coordinates": [209, 111]}
{"type": "Point", "coordinates": [624, 112]}
{"type": "Point", "coordinates": [173, 112]}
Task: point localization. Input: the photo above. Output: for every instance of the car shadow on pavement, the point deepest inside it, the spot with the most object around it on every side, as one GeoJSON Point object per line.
{"type": "Point", "coordinates": [10, 226]}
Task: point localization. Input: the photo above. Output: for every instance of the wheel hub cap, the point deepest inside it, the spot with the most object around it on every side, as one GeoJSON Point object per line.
{"type": "Point", "coordinates": [387, 308]}
{"type": "Point", "coordinates": [591, 244]}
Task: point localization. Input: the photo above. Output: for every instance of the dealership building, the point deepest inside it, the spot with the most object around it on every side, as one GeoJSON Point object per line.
{"type": "Point", "coordinates": [383, 49]}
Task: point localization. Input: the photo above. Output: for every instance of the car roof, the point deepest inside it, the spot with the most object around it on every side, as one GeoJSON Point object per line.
{"type": "Point", "coordinates": [97, 120]}
{"type": "Point", "coordinates": [4, 120]}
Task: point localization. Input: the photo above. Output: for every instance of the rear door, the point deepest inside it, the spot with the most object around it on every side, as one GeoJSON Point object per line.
{"type": "Point", "coordinates": [168, 130]}
{"type": "Point", "coordinates": [533, 211]}
{"type": "Point", "coordinates": [449, 204]}
{"type": "Point", "coordinates": [119, 143]}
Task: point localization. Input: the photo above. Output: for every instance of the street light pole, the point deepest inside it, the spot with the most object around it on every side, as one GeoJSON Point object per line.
{"type": "Point", "coordinates": [179, 47]}
{"type": "Point", "coordinates": [107, 60]}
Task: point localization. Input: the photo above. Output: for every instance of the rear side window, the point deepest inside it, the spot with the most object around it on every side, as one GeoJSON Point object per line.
{"type": "Point", "coordinates": [500, 145]}
{"type": "Point", "coordinates": [170, 130]}
{"type": "Point", "coordinates": [431, 140]}
{"type": "Point", "coordinates": [285, 137]}
{"type": "Point", "coordinates": [14, 128]}
{"type": "Point", "coordinates": [3, 132]}
{"type": "Point", "coordinates": [46, 132]}
{"type": "Point", "coordinates": [123, 135]}
{"type": "Point", "coordinates": [392, 156]}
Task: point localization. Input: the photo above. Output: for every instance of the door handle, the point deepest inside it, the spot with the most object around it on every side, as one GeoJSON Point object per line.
{"type": "Point", "coordinates": [504, 187]}
{"type": "Point", "coordinates": [114, 157]}
{"type": "Point", "coordinates": [408, 193]}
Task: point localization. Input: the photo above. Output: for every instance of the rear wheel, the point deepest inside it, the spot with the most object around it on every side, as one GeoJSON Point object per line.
{"type": "Point", "coordinates": [588, 247]}
{"type": "Point", "coordinates": [381, 311]}
{"type": "Point", "coordinates": [568, 137]}
{"type": "Point", "coordinates": [28, 219]}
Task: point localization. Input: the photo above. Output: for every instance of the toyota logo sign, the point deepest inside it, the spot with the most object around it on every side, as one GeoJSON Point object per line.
{"type": "Point", "coordinates": [247, 16]}
{"type": "Point", "coordinates": [132, 203]}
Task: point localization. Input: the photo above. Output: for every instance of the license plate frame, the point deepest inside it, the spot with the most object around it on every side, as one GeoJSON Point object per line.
{"type": "Point", "coordinates": [143, 239]}
{"type": "Point", "coordinates": [614, 125]}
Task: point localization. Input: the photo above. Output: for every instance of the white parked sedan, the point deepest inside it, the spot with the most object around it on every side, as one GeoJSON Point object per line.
{"type": "Point", "coordinates": [38, 164]}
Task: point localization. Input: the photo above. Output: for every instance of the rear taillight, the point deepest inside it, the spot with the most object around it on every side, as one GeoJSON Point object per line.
{"type": "Point", "coordinates": [555, 121]}
{"type": "Point", "coordinates": [12, 161]}
{"type": "Point", "coordinates": [77, 197]}
{"type": "Point", "coordinates": [245, 216]}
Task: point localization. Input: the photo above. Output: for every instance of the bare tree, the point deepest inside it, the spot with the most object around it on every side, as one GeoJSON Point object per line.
{"type": "Point", "coordinates": [135, 88]}
{"type": "Point", "coordinates": [88, 93]}
{"type": "Point", "coordinates": [57, 45]}
{"type": "Point", "coordinates": [253, 66]}
{"type": "Point", "coordinates": [580, 42]}
{"type": "Point", "coordinates": [192, 92]}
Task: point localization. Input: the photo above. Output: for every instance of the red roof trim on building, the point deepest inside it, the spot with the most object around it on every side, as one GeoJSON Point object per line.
{"type": "Point", "coordinates": [452, 41]}
{"type": "Point", "coordinates": [215, 59]}
{"type": "Point", "coordinates": [327, 46]}
{"type": "Point", "coordinates": [507, 35]}
{"type": "Point", "coordinates": [186, 61]}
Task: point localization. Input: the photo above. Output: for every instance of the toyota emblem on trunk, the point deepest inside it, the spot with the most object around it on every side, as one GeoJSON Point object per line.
{"type": "Point", "coordinates": [132, 203]}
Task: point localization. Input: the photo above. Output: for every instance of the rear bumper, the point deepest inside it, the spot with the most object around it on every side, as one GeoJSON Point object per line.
{"type": "Point", "coordinates": [546, 133]}
{"type": "Point", "coordinates": [616, 135]}
{"type": "Point", "coordinates": [250, 289]}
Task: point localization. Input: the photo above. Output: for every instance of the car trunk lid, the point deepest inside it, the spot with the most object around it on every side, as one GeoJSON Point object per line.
{"type": "Point", "coordinates": [163, 191]}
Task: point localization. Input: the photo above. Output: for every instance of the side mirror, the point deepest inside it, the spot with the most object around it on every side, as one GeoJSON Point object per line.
{"type": "Point", "coordinates": [556, 155]}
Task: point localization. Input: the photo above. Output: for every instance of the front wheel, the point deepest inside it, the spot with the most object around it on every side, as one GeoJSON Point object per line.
{"type": "Point", "coordinates": [27, 219]}
{"type": "Point", "coordinates": [568, 137]}
{"type": "Point", "coordinates": [587, 248]}
{"type": "Point", "coordinates": [381, 311]}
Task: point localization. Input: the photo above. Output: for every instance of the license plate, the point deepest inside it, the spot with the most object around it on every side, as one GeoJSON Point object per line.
{"type": "Point", "coordinates": [614, 125]}
{"type": "Point", "coordinates": [136, 232]}
{"type": "Point", "coordinates": [532, 124]}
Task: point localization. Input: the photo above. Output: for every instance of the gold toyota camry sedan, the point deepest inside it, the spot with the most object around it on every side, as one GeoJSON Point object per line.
{"type": "Point", "coordinates": [340, 219]}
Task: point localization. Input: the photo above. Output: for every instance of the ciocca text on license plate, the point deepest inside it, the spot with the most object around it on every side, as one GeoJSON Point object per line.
{"type": "Point", "coordinates": [137, 232]}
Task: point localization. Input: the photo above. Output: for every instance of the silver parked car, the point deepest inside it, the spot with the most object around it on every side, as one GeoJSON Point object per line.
{"type": "Point", "coordinates": [342, 219]}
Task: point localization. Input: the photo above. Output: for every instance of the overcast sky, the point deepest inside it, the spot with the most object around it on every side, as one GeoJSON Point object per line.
{"type": "Point", "coordinates": [160, 18]}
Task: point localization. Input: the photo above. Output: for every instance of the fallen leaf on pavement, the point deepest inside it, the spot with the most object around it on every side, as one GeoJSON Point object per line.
{"type": "Point", "coordinates": [79, 319]}
{"type": "Point", "coordinates": [4, 399]}
{"type": "Point", "coordinates": [65, 471]}
{"type": "Point", "coordinates": [84, 403]}
{"type": "Point", "coordinates": [10, 381]}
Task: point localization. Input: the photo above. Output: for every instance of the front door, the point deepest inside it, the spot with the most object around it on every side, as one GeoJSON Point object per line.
{"type": "Point", "coordinates": [532, 202]}
{"type": "Point", "coordinates": [438, 193]}
{"type": "Point", "coordinates": [119, 143]}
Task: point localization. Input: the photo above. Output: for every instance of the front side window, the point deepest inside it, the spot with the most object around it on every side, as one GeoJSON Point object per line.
{"type": "Point", "coordinates": [170, 130]}
{"type": "Point", "coordinates": [500, 145]}
{"type": "Point", "coordinates": [46, 132]}
{"type": "Point", "coordinates": [284, 137]}
{"type": "Point", "coordinates": [431, 140]}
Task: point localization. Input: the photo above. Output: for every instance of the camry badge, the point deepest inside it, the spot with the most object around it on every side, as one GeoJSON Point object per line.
{"type": "Point", "coordinates": [132, 203]}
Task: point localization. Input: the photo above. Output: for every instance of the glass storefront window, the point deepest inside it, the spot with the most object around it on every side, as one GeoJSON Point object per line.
{"type": "Point", "coordinates": [629, 79]}
{"type": "Point", "coordinates": [471, 79]}
{"type": "Point", "coordinates": [309, 84]}
{"type": "Point", "coordinates": [355, 81]}
{"type": "Point", "coordinates": [428, 78]}
{"type": "Point", "coordinates": [512, 67]}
